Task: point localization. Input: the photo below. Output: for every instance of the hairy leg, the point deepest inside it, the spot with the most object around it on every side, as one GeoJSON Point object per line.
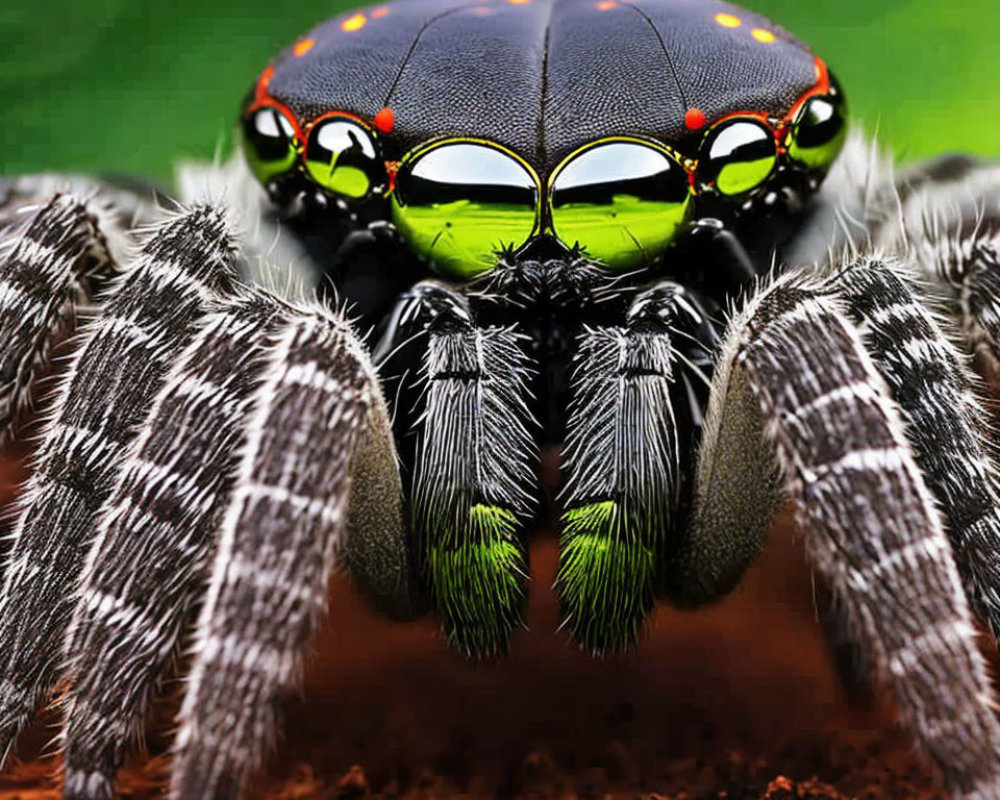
{"type": "Point", "coordinates": [944, 424]}
{"type": "Point", "coordinates": [283, 532]}
{"type": "Point", "coordinates": [154, 537]}
{"type": "Point", "coordinates": [624, 462]}
{"type": "Point", "coordinates": [474, 472]}
{"type": "Point", "coordinates": [872, 527]}
{"type": "Point", "coordinates": [114, 374]}
{"type": "Point", "coordinates": [48, 264]}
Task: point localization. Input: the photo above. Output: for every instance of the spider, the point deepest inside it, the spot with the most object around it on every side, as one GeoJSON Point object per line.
{"type": "Point", "coordinates": [535, 246]}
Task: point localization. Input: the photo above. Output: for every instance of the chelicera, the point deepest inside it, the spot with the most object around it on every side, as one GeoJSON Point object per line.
{"type": "Point", "coordinates": [595, 224]}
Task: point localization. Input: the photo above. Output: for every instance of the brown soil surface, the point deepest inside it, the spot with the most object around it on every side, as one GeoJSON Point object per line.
{"type": "Point", "coordinates": [738, 701]}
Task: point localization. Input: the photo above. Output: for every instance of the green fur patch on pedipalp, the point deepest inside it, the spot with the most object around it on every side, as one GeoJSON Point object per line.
{"type": "Point", "coordinates": [477, 580]}
{"type": "Point", "coordinates": [606, 577]}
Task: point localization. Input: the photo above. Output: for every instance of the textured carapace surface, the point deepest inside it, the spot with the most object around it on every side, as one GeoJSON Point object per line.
{"type": "Point", "coordinates": [544, 77]}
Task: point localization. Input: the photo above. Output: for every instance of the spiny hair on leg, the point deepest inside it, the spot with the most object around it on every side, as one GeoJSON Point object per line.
{"type": "Point", "coordinates": [622, 460]}
{"type": "Point", "coordinates": [281, 536]}
{"type": "Point", "coordinates": [472, 492]}
{"type": "Point", "coordinates": [270, 256]}
{"type": "Point", "coordinates": [945, 424]}
{"type": "Point", "coordinates": [872, 526]}
{"type": "Point", "coordinates": [146, 568]}
{"type": "Point", "coordinates": [46, 266]}
{"type": "Point", "coordinates": [115, 372]}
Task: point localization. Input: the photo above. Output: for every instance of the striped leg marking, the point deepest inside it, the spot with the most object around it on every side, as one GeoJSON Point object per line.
{"type": "Point", "coordinates": [871, 524]}
{"type": "Point", "coordinates": [979, 302]}
{"type": "Point", "coordinates": [115, 373]}
{"type": "Point", "coordinates": [944, 424]}
{"type": "Point", "coordinates": [45, 270]}
{"type": "Point", "coordinates": [155, 536]}
{"type": "Point", "coordinates": [473, 479]}
{"type": "Point", "coordinates": [281, 536]}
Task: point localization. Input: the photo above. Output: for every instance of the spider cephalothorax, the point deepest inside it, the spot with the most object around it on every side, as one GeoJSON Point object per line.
{"type": "Point", "coordinates": [541, 212]}
{"type": "Point", "coordinates": [552, 212]}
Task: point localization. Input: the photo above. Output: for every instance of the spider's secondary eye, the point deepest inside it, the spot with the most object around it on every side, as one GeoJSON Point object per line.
{"type": "Point", "coordinates": [819, 131]}
{"type": "Point", "coordinates": [622, 201]}
{"type": "Point", "coordinates": [268, 142]}
{"type": "Point", "coordinates": [460, 203]}
{"type": "Point", "coordinates": [342, 157]}
{"type": "Point", "coordinates": [737, 157]}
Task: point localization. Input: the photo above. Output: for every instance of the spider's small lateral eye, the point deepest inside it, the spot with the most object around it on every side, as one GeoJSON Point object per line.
{"type": "Point", "coordinates": [622, 201]}
{"type": "Point", "coordinates": [460, 203]}
{"type": "Point", "coordinates": [737, 157]}
{"type": "Point", "coordinates": [819, 131]}
{"type": "Point", "coordinates": [268, 142]}
{"type": "Point", "coordinates": [342, 156]}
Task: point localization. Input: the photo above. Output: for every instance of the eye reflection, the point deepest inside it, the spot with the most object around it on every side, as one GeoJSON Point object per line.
{"type": "Point", "coordinates": [342, 158]}
{"type": "Point", "coordinates": [622, 201]}
{"type": "Point", "coordinates": [269, 143]}
{"type": "Point", "coordinates": [738, 157]}
{"type": "Point", "coordinates": [819, 131]}
{"type": "Point", "coordinates": [460, 203]}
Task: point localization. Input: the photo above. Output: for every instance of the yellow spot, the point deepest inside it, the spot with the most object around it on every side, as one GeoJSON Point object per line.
{"type": "Point", "coordinates": [378, 13]}
{"type": "Point", "coordinates": [355, 23]}
{"type": "Point", "coordinates": [303, 47]}
{"type": "Point", "coordinates": [519, 2]}
{"type": "Point", "coordinates": [766, 37]}
{"type": "Point", "coordinates": [606, 5]}
{"type": "Point", "coordinates": [728, 20]}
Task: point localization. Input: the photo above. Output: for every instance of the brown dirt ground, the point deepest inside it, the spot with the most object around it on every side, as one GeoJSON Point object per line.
{"type": "Point", "coordinates": [738, 702]}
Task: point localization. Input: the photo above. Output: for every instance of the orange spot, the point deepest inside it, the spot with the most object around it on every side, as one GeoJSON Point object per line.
{"type": "Point", "coordinates": [303, 47]}
{"type": "Point", "coordinates": [728, 20]}
{"type": "Point", "coordinates": [694, 119]}
{"type": "Point", "coordinates": [378, 13]}
{"type": "Point", "coordinates": [355, 23]}
{"type": "Point", "coordinates": [385, 120]}
{"type": "Point", "coordinates": [519, 2]}
{"type": "Point", "coordinates": [481, 11]}
{"type": "Point", "coordinates": [765, 37]}
{"type": "Point", "coordinates": [606, 5]}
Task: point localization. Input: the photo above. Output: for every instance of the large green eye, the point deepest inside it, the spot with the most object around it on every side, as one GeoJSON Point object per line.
{"type": "Point", "coordinates": [819, 131]}
{"type": "Point", "coordinates": [268, 142]}
{"type": "Point", "coordinates": [737, 157]}
{"type": "Point", "coordinates": [342, 157]}
{"type": "Point", "coordinates": [461, 203]}
{"type": "Point", "coordinates": [622, 201]}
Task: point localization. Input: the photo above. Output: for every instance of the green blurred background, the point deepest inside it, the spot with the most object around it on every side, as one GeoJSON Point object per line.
{"type": "Point", "coordinates": [133, 85]}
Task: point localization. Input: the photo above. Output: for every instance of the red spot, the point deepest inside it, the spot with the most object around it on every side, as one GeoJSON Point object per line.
{"type": "Point", "coordinates": [694, 119]}
{"type": "Point", "coordinates": [385, 120]}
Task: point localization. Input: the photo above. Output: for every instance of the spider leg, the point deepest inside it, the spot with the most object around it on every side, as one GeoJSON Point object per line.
{"type": "Point", "coordinates": [112, 378]}
{"type": "Point", "coordinates": [934, 393]}
{"type": "Point", "coordinates": [625, 456]}
{"type": "Point", "coordinates": [154, 538]}
{"type": "Point", "coordinates": [281, 535]}
{"type": "Point", "coordinates": [46, 271]}
{"type": "Point", "coordinates": [794, 358]}
{"type": "Point", "coordinates": [473, 473]}
{"type": "Point", "coordinates": [947, 225]}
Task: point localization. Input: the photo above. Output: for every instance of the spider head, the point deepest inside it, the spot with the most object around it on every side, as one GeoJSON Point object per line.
{"type": "Point", "coordinates": [479, 164]}
{"type": "Point", "coordinates": [466, 206]}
